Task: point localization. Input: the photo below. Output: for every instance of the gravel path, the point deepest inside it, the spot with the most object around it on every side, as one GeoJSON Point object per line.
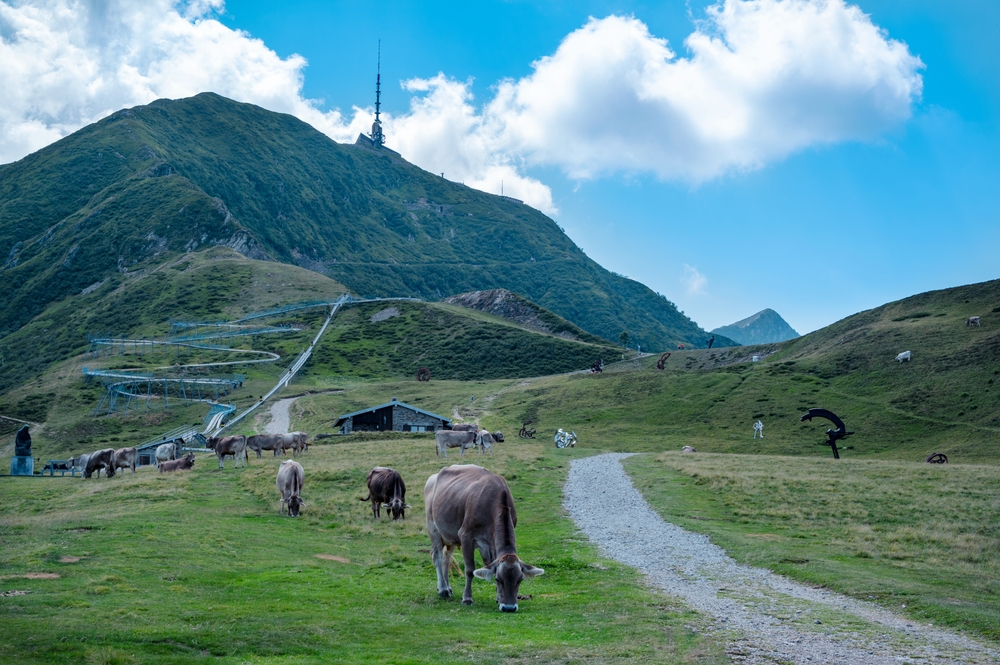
{"type": "Point", "coordinates": [763, 617]}
{"type": "Point", "coordinates": [280, 420]}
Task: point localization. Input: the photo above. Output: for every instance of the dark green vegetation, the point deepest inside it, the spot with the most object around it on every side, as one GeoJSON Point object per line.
{"type": "Point", "coordinates": [903, 534]}
{"type": "Point", "coordinates": [454, 343]}
{"type": "Point", "coordinates": [150, 182]}
{"type": "Point", "coordinates": [199, 567]}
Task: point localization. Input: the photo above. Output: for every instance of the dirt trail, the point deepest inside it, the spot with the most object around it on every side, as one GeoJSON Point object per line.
{"type": "Point", "coordinates": [763, 617]}
{"type": "Point", "coordinates": [280, 419]}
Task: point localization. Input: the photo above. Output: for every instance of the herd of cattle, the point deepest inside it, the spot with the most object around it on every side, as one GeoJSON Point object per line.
{"type": "Point", "coordinates": [467, 507]}
{"type": "Point", "coordinates": [110, 460]}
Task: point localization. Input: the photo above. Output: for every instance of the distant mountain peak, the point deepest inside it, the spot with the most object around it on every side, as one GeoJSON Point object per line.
{"type": "Point", "coordinates": [764, 327]}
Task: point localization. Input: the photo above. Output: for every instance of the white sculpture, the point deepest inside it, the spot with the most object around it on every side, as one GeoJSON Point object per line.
{"type": "Point", "coordinates": [758, 428]}
{"type": "Point", "coordinates": [903, 357]}
{"type": "Point", "coordinates": [565, 439]}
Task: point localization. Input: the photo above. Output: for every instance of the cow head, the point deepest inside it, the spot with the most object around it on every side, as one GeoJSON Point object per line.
{"type": "Point", "coordinates": [508, 572]}
{"type": "Point", "coordinates": [294, 503]}
{"type": "Point", "coordinates": [398, 508]}
{"type": "Point", "coordinates": [210, 444]}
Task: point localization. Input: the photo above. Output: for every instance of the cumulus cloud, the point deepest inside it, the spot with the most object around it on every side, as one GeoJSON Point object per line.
{"type": "Point", "coordinates": [761, 79]}
{"type": "Point", "coordinates": [694, 282]}
{"type": "Point", "coordinates": [764, 78]}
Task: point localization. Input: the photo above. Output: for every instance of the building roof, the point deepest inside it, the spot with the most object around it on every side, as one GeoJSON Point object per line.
{"type": "Point", "coordinates": [394, 402]}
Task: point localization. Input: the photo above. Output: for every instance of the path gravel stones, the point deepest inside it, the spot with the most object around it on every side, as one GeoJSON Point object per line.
{"type": "Point", "coordinates": [280, 420]}
{"type": "Point", "coordinates": [763, 617]}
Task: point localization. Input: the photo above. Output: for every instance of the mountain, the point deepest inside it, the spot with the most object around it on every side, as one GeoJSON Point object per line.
{"type": "Point", "coordinates": [764, 327]}
{"type": "Point", "coordinates": [174, 176]}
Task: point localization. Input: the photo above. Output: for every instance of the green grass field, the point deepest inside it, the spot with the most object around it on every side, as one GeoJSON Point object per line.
{"type": "Point", "coordinates": [199, 566]}
{"type": "Point", "coordinates": [903, 534]}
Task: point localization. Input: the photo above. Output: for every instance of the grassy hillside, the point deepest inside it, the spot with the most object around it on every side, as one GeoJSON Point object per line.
{"type": "Point", "coordinates": [43, 382]}
{"type": "Point", "coordinates": [184, 567]}
{"type": "Point", "coordinates": [453, 342]}
{"type": "Point", "coordinates": [946, 399]}
{"type": "Point", "coordinates": [208, 285]}
{"type": "Point", "coordinates": [178, 175]}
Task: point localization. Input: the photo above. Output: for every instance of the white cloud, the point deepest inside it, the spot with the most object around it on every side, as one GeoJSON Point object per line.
{"type": "Point", "coordinates": [694, 282]}
{"type": "Point", "coordinates": [762, 79]}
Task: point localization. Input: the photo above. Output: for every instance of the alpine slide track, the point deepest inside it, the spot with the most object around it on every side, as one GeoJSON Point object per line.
{"type": "Point", "coordinates": [139, 389]}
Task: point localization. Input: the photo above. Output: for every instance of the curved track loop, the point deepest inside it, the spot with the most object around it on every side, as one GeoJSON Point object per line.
{"type": "Point", "coordinates": [131, 386]}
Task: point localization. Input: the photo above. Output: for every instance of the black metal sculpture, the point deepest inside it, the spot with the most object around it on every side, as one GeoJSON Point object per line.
{"type": "Point", "coordinates": [833, 435]}
{"type": "Point", "coordinates": [937, 458]}
{"type": "Point", "coordinates": [598, 366]}
{"type": "Point", "coordinates": [22, 443]}
{"type": "Point", "coordinates": [423, 374]}
{"type": "Point", "coordinates": [662, 362]}
{"type": "Point", "coordinates": [526, 433]}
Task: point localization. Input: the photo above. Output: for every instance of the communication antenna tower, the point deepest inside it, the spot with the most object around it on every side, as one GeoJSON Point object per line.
{"type": "Point", "coordinates": [377, 137]}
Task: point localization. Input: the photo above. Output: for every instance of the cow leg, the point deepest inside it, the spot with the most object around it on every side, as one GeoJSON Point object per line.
{"type": "Point", "coordinates": [469, 553]}
{"type": "Point", "coordinates": [221, 457]}
{"type": "Point", "coordinates": [441, 557]}
{"type": "Point", "coordinates": [375, 508]}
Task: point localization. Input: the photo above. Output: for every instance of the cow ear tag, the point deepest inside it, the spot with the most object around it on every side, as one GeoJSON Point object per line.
{"type": "Point", "coordinates": [530, 571]}
{"type": "Point", "coordinates": [484, 574]}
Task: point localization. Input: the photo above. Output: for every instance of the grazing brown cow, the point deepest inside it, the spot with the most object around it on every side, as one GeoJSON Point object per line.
{"type": "Point", "coordinates": [289, 481]}
{"type": "Point", "coordinates": [182, 464]}
{"type": "Point", "coordinates": [100, 459]}
{"type": "Point", "coordinates": [125, 458]}
{"type": "Point", "coordinates": [230, 445]}
{"type": "Point", "coordinates": [386, 486]}
{"type": "Point", "coordinates": [472, 508]}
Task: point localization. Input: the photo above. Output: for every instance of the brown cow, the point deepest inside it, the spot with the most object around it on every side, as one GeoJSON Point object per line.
{"type": "Point", "coordinates": [259, 442]}
{"type": "Point", "coordinates": [100, 459]}
{"type": "Point", "coordinates": [449, 439]}
{"type": "Point", "coordinates": [472, 508]}
{"type": "Point", "coordinates": [230, 445]}
{"type": "Point", "coordinates": [386, 486]}
{"type": "Point", "coordinates": [182, 464]}
{"type": "Point", "coordinates": [125, 458]}
{"type": "Point", "coordinates": [289, 441]}
{"type": "Point", "coordinates": [290, 479]}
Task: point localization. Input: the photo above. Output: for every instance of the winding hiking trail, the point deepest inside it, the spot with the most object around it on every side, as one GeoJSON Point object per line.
{"type": "Point", "coordinates": [763, 617]}
{"type": "Point", "coordinates": [280, 418]}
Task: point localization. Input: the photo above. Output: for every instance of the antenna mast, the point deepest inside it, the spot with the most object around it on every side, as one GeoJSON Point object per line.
{"type": "Point", "coordinates": [378, 138]}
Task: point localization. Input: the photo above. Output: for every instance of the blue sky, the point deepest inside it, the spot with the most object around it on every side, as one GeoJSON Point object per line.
{"type": "Point", "coordinates": [886, 195]}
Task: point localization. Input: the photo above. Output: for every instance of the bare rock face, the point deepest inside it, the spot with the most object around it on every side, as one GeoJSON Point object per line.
{"type": "Point", "coordinates": [506, 305]}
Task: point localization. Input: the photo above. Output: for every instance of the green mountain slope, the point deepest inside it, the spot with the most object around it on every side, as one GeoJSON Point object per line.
{"type": "Point", "coordinates": [181, 175]}
{"type": "Point", "coordinates": [946, 399]}
{"type": "Point", "coordinates": [41, 381]}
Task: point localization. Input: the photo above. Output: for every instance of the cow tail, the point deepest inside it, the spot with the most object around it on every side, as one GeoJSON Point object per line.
{"type": "Point", "coordinates": [367, 498]}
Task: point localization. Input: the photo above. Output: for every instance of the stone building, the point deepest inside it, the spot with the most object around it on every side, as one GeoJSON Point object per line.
{"type": "Point", "coordinates": [394, 416]}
